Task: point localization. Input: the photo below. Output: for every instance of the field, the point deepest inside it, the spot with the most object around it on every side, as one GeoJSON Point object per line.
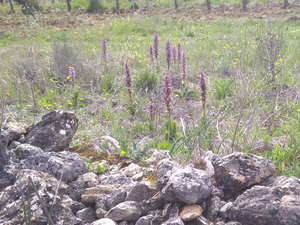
{"type": "Point", "coordinates": [250, 60]}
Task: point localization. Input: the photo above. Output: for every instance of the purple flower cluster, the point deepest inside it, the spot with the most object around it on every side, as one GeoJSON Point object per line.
{"type": "Point", "coordinates": [184, 65]}
{"type": "Point", "coordinates": [168, 53]}
{"type": "Point", "coordinates": [71, 74]}
{"type": "Point", "coordinates": [202, 87]}
{"type": "Point", "coordinates": [151, 110]}
{"type": "Point", "coordinates": [151, 52]}
{"type": "Point", "coordinates": [104, 49]}
{"type": "Point", "coordinates": [167, 92]}
{"type": "Point", "coordinates": [155, 46]}
{"type": "Point", "coordinates": [128, 82]}
{"type": "Point", "coordinates": [179, 52]}
{"type": "Point", "coordinates": [174, 54]}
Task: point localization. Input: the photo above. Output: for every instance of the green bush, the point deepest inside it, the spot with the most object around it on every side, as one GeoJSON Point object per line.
{"type": "Point", "coordinates": [95, 6]}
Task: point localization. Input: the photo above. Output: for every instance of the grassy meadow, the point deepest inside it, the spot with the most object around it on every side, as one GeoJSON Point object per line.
{"type": "Point", "coordinates": [250, 60]}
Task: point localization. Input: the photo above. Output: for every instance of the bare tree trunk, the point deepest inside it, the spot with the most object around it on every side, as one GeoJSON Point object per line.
{"type": "Point", "coordinates": [11, 6]}
{"type": "Point", "coordinates": [117, 4]}
{"type": "Point", "coordinates": [285, 4]}
{"type": "Point", "coordinates": [244, 3]}
{"type": "Point", "coordinates": [208, 5]}
{"type": "Point", "coordinates": [176, 4]}
{"type": "Point", "coordinates": [69, 5]}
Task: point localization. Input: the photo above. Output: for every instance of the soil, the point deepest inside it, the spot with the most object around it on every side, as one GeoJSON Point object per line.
{"type": "Point", "coordinates": [54, 18]}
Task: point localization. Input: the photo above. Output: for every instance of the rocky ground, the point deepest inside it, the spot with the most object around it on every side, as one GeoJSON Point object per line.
{"type": "Point", "coordinates": [39, 176]}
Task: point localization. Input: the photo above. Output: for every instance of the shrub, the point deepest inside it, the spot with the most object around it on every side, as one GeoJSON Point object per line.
{"type": "Point", "coordinates": [146, 81]}
{"type": "Point", "coordinates": [95, 6]}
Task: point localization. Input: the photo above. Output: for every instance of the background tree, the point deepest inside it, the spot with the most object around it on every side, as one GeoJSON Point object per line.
{"type": "Point", "coordinates": [285, 4]}
{"type": "Point", "coordinates": [208, 5]}
{"type": "Point", "coordinates": [176, 4]}
{"type": "Point", "coordinates": [244, 4]}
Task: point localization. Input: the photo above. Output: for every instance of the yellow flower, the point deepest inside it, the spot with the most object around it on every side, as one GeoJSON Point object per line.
{"type": "Point", "coordinates": [81, 99]}
{"type": "Point", "coordinates": [70, 103]}
{"type": "Point", "coordinates": [68, 77]}
{"type": "Point", "coordinates": [123, 152]}
{"type": "Point", "coordinates": [29, 105]}
{"type": "Point", "coordinates": [102, 76]}
{"type": "Point", "coordinates": [51, 79]}
{"type": "Point", "coordinates": [78, 87]}
{"type": "Point", "coordinates": [37, 90]}
{"type": "Point", "coordinates": [51, 91]}
{"type": "Point", "coordinates": [298, 110]}
{"type": "Point", "coordinates": [104, 99]}
{"type": "Point", "coordinates": [65, 85]}
{"type": "Point", "coordinates": [212, 107]}
{"type": "Point", "coordinates": [60, 106]}
{"type": "Point", "coordinates": [263, 128]}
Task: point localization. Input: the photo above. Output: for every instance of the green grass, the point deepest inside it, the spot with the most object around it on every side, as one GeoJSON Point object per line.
{"type": "Point", "coordinates": [246, 110]}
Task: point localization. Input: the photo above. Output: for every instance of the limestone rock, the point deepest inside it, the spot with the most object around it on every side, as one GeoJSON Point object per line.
{"type": "Point", "coordinates": [152, 204]}
{"type": "Point", "coordinates": [190, 212]}
{"type": "Point", "coordinates": [88, 215]}
{"type": "Point", "coordinates": [89, 194]}
{"type": "Point", "coordinates": [214, 204]}
{"type": "Point", "coordinates": [129, 211]}
{"type": "Point", "coordinates": [70, 164]}
{"type": "Point", "coordinates": [131, 170]}
{"type": "Point", "coordinates": [25, 150]}
{"type": "Point", "coordinates": [140, 192]}
{"type": "Point", "coordinates": [165, 168]}
{"type": "Point", "coordinates": [11, 199]}
{"type": "Point", "coordinates": [223, 211]}
{"type": "Point", "coordinates": [54, 132]}
{"type": "Point", "coordinates": [156, 157]}
{"type": "Point", "coordinates": [8, 175]}
{"type": "Point", "coordinates": [138, 177]}
{"type": "Point", "coordinates": [240, 170]}
{"type": "Point", "coordinates": [3, 148]}
{"type": "Point", "coordinates": [116, 197]}
{"type": "Point", "coordinates": [189, 185]}
{"type": "Point", "coordinates": [104, 221]}
{"type": "Point", "coordinates": [100, 213]}
{"type": "Point", "coordinates": [15, 130]}
{"type": "Point", "coordinates": [145, 220]}
{"type": "Point", "coordinates": [201, 220]}
{"type": "Point", "coordinates": [117, 179]}
{"type": "Point", "coordinates": [173, 221]}
{"type": "Point", "coordinates": [278, 204]}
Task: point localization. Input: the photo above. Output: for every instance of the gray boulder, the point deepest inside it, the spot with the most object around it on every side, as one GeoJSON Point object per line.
{"type": "Point", "coordinates": [3, 148]}
{"type": "Point", "coordinates": [24, 150]}
{"type": "Point", "coordinates": [173, 221]}
{"type": "Point", "coordinates": [278, 204]}
{"type": "Point", "coordinates": [12, 197]}
{"type": "Point", "coordinates": [129, 211]}
{"type": "Point", "coordinates": [145, 220]}
{"type": "Point", "coordinates": [189, 185]}
{"type": "Point", "coordinates": [54, 132]}
{"type": "Point", "coordinates": [238, 171]}
{"type": "Point", "coordinates": [15, 130]}
{"type": "Point", "coordinates": [104, 221]}
{"type": "Point", "coordinates": [8, 175]}
{"type": "Point", "coordinates": [88, 215]}
{"type": "Point", "coordinates": [139, 193]}
{"type": "Point", "coordinates": [117, 179]}
{"type": "Point", "coordinates": [152, 204]}
{"type": "Point", "coordinates": [70, 164]}
{"type": "Point", "coordinates": [115, 197]}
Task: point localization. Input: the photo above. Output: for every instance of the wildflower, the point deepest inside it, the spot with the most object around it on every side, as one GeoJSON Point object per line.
{"type": "Point", "coordinates": [128, 82]}
{"type": "Point", "coordinates": [179, 52]}
{"type": "Point", "coordinates": [167, 93]}
{"type": "Point", "coordinates": [123, 152]}
{"type": "Point", "coordinates": [155, 46]}
{"type": "Point", "coordinates": [72, 74]}
{"type": "Point", "coordinates": [104, 49]}
{"type": "Point", "coordinates": [151, 110]}
{"type": "Point", "coordinates": [168, 53]}
{"type": "Point", "coordinates": [202, 87]}
{"type": "Point", "coordinates": [174, 54]}
{"type": "Point", "coordinates": [151, 51]}
{"type": "Point", "coordinates": [184, 65]}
